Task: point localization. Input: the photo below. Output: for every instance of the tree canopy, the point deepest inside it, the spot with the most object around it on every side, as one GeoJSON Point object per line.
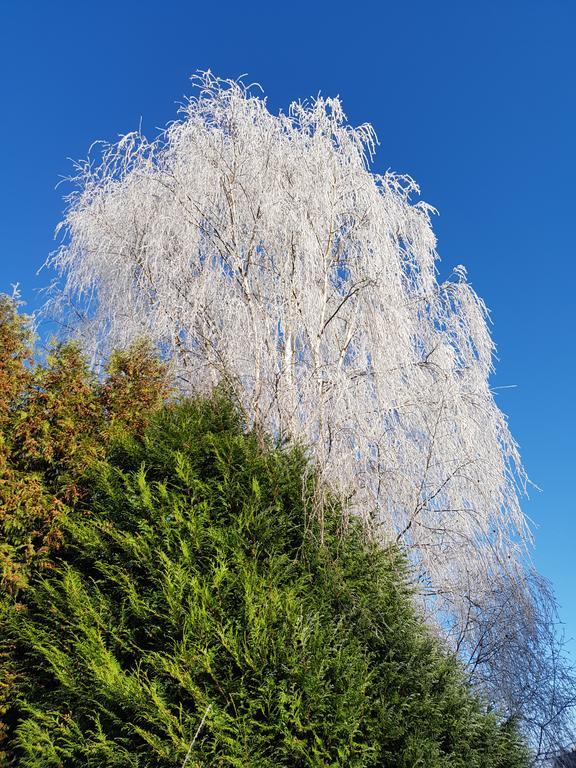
{"type": "Point", "coordinates": [260, 250]}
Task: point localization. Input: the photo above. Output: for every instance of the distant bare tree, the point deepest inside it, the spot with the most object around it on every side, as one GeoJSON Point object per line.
{"type": "Point", "coordinates": [260, 249]}
{"type": "Point", "coordinates": [564, 760]}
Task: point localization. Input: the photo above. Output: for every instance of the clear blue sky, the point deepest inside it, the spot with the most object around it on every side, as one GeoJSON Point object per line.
{"type": "Point", "coordinates": [476, 100]}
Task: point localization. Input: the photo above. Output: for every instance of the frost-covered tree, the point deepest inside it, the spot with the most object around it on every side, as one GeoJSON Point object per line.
{"type": "Point", "coordinates": [260, 249]}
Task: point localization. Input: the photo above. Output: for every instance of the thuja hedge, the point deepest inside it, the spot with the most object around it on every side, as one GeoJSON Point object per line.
{"type": "Point", "coordinates": [196, 615]}
{"type": "Point", "coordinates": [56, 417]}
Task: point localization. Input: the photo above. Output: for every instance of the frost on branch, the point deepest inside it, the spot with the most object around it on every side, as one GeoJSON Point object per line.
{"type": "Point", "coordinates": [260, 249]}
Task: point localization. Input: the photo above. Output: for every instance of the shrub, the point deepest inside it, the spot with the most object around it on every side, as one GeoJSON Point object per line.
{"type": "Point", "coordinates": [55, 419]}
{"type": "Point", "coordinates": [194, 616]}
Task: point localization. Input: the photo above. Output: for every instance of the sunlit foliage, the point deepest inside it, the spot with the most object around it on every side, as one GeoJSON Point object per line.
{"type": "Point", "coordinates": [55, 419]}
{"type": "Point", "coordinates": [195, 615]}
{"type": "Point", "coordinates": [260, 250]}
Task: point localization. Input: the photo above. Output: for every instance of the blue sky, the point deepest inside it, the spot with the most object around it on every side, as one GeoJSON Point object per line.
{"type": "Point", "coordinates": [475, 100]}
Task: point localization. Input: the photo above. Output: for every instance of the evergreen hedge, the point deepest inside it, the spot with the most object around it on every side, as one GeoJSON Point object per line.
{"type": "Point", "coordinates": [56, 417]}
{"type": "Point", "coordinates": [196, 615]}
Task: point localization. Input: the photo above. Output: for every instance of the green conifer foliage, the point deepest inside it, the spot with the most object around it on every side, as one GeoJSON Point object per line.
{"type": "Point", "coordinates": [60, 428]}
{"type": "Point", "coordinates": [193, 617]}
{"type": "Point", "coordinates": [15, 355]}
{"type": "Point", "coordinates": [27, 509]}
{"type": "Point", "coordinates": [135, 385]}
{"type": "Point", "coordinates": [55, 419]}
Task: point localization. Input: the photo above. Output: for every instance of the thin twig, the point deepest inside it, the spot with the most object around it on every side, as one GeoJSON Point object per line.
{"type": "Point", "coordinates": [196, 735]}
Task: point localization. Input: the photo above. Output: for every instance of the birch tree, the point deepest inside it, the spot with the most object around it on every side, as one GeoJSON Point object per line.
{"type": "Point", "coordinates": [262, 250]}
